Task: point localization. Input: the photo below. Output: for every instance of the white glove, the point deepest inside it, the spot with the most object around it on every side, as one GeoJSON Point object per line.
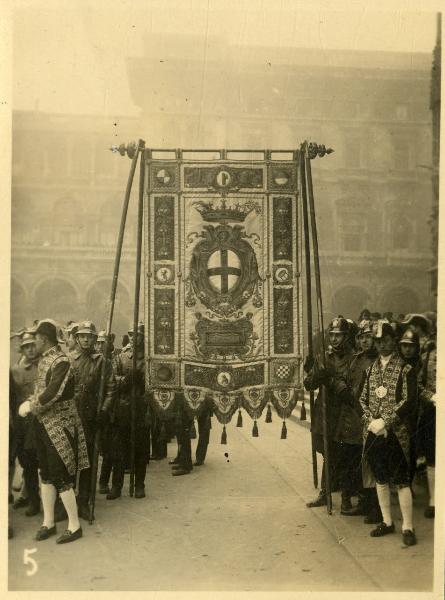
{"type": "Point", "coordinates": [25, 408]}
{"type": "Point", "coordinates": [377, 426]}
{"type": "Point", "coordinates": [433, 399]}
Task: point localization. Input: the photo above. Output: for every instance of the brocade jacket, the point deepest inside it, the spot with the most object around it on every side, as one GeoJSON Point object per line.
{"type": "Point", "coordinates": [54, 407]}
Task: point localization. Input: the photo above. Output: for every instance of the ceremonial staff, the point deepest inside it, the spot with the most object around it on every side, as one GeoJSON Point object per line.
{"type": "Point", "coordinates": [133, 152]}
{"type": "Point", "coordinates": [137, 289]}
{"type": "Point", "coordinates": [311, 151]}
{"type": "Point", "coordinates": [307, 256]}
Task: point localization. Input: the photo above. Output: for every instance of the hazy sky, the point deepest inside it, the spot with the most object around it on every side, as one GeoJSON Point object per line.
{"type": "Point", "coordinates": [70, 56]}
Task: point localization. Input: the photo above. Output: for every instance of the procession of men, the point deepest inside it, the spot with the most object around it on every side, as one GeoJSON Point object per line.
{"type": "Point", "coordinates": [72, 393]}
{"type": "Point", "coordinates": [57, 424]}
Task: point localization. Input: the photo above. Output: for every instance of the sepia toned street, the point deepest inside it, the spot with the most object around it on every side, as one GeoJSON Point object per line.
{"type": "Point", "coordinates": [237, 523]}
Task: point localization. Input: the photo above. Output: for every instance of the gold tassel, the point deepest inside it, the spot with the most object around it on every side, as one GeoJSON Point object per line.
{"type": "Point", "coordinates": [303, 412]}
{"type": "Point", "coordinates": [269, 414]}
{"type": "Point", "coordinates": [284, 431]}
{"type": "Point", "coordinates": [193, 431]}
{"type": "Point", "coordinates": [255, 429]}
{"type": "Point", "coordinates": [239, 422]}
{"type": "Point", "coordinates": [224, 436]}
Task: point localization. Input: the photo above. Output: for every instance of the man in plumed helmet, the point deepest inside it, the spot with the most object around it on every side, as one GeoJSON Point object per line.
{"type": "Point", "coordinates": [121, 446]}
{"type": "Point", "coordinates": [25, 375]}
{"type": "Point", "coordinates": [87, 369]}
{"type": "Point", "coordinates": [338, 404]}
{"type": "Point", "coordinates": [389, 403]}
{"type": "Point", "coordinates": [59, 436]}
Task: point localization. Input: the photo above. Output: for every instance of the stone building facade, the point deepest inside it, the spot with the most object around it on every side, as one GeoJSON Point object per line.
{"type": "Point", "coordinates": [374, 193]}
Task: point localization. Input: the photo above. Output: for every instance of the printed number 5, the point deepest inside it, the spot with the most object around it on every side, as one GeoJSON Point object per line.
{"type": "Point", "coordinates": [28, 560]}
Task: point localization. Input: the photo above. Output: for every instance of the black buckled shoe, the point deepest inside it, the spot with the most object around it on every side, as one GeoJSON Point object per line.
{"type": "Point", "coordinates": [139, 492]}
{"type": "Point", "coordinates": [69, 536]}
{"type": "Point", "coordinates": [174, 461]}
{"type": "Point", "coordinates": [382, 529]}
{"type": "Point", "coordinates": [43, 532]}
{"type": "Point", "coordinates": [180, 471]}
{"type": "Point", "coordinates": [409, 537]}
{"type": "Point", "coordinates": [113, 494]}
{"type": "Point", "coordinates": [320, 500]}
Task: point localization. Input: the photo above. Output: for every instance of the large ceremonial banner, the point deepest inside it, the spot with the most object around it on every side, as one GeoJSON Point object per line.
{"type": "Point", "coordinates": [223, 302]}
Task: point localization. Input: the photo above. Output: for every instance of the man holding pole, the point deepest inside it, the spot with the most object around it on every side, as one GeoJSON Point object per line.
{"type": "Point", "coordinates": [126, 378]}
{"type": "Point", "coordinates": [87, 367]}
{"type": "Point", "coordinates": [334, 377]}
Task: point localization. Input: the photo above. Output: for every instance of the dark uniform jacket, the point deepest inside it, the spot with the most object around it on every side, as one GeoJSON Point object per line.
{"type": "Point", "coordinates": [87, 368]}
{"type": "Point", "coordinates": [123, 366]}
{"type": "Point", "coordinates": [24, 374]}
{"type": "Point", "coordinates": [352, 426]}
{"type": "Point", "coordinates": [338, 393]}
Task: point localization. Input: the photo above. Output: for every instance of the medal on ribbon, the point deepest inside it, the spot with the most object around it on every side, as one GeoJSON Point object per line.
{"type": "Point", "coordinates": [381, 391]}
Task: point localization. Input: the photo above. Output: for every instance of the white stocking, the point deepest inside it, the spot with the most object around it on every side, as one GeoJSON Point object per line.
{"type": "Point", "coordinates": [68, 498]}
{"type": "Point", "coordinates": [49, 494]}
{"type": "Point", "coordinates": [384, 496]}
{"type": "Point", "coordinates": [406, 506]}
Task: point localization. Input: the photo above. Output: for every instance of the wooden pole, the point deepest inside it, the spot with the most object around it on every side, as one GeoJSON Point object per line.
{"type": "Point", "coordinates": [307, 162]}
{"type": "Point", "coordinates": [112, 300]}
{"type": "Point", "coordinates": [307, 255]}
{"type": "Point", "coordinates": [137, 289]}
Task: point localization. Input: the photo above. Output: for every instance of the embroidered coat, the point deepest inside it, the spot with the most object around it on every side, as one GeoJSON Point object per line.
{"type": "Point", "coordinates": [53, 405]}
{"type": "Point", "coordinates": [398, 408]}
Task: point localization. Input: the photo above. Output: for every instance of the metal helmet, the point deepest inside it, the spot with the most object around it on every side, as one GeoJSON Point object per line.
{"type": "Point", "coordinates": [410, 337]}
{"type": "Point", "coordinates": [365, 326]}
{"type": "Point", "coordinates": [141, 328]}
{"type": "Point", "coordinates": [339, 325]}
{"type": "Point", "coordinates": [86, 327]}
{"type": "Point", "coordinates": [27, 338]}
{"type": "Point", "coordinates": [381, 327]}
{"type": "Point", "coordinates": [71, 328]}
{"type": "Point", "coordinates": [417, 319]}
{"type": "Point", "coordinates": [102, 336]}
{"type": "Point", "coordinates": [50, 329]}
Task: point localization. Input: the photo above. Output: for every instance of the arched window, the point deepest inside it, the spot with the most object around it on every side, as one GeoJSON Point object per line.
{"type": "Point", "coordinates": [56, 299]}
{"type": "Point", "coordinates": [353, 229]}
{"type": "Point", "coordinates": [109, 221]}
{"type": "Point", "coordinates": [68, 225]}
